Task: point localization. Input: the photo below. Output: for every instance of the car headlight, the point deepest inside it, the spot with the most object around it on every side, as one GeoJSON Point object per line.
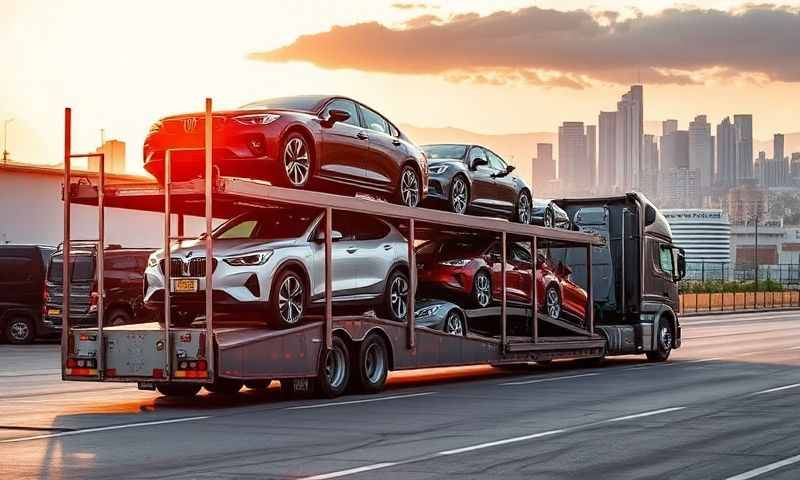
{"type": "Point", "coordinates": [438, 169]}
{"type": "Point", "coordinates": [156, 127]}
{"type": "Point", "coordinates": [152, 261]}
{"type": "Point", "coordinates": [257, 119]}
{"type": "Point", "coordinates": [455, 263]}
{"type": "Point", "coordinates": [428, 311]}
{"type": "Point", "coordinates": [249, 260]}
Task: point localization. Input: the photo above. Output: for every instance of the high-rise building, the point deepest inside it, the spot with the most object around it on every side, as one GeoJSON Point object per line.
{"type": "Point", "coordinates": [591, 155]}
{"type": "Point", "coordinates": [650, 162]}
{"type": "Point", "coordinates": [781, 165]}
{"type": "Point", "coordinates": [795, 168]}
{"type": "Point", "coordinates": [682, 188]}
{"type": "Point", "coordinates": [701, 157]}
{"type": "Point", "coordinates": [629, 132]}
{"type": "Point", "coordinates": [675, 150]}
{"type": "Point", "coordinates": [607, 163]}
{"type": "Point", "coordinates": [726, 154]}
{"type": "Point", "coordinates": [743, 126]}
{"type": "Point", "coordinates": [572, 156]}
{"type": "Point", "coordinates": [113, 157]}
{"type": "Point", "coordinates": [544, 167]}
{"type": "Point", "coordinates": [668, 126]}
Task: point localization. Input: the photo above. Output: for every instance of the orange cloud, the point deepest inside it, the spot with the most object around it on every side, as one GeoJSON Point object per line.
{"type": "Point", "coordinates": [675, 46]}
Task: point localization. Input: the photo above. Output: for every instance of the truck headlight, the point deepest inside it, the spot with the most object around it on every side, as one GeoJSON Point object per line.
{"type": "Point", "coordinates": [249, 260]}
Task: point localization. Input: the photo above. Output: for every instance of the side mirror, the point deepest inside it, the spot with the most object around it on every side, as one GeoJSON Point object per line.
{"type": "Point", "coordinates": [510, 168]}
{"type": "Point", "coordinates": [336, 235]}
{"type": "Point", "coordinates": [478, 162]}
{"type": "Point", "coordinates": [336, 116]}
{"type": "Point", "coordinates": [681, 273]}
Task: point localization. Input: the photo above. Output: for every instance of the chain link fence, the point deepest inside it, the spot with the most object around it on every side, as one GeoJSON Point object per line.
{"type": "Point", "coordinates": [787, 274]}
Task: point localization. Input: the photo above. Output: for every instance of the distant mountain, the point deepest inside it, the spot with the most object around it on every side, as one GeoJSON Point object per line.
{"type": "Point", "coordinates": [516, 148]}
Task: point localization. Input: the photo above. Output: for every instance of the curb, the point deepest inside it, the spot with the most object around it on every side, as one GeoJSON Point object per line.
{"type": "Point", "coordinates": [728, 312]}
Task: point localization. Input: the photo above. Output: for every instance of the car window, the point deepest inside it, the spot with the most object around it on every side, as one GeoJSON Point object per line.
{"type": "Point", "coordinates": [369, 228]}
{"type": "Point", "coordinates": [15, 269]}
{"type": "Point", "coordinates": [520, 254]}
{"type": "Point", "coordinates": [345, 105]}
{"type": "Point", "coordinates": [495, 162]}
{"type": "Point", "coordinates": [665, 260]}
{"type": "Point", "coordinates": [345, 223]}
{"type": "Point", "coordinates": [269, 224]}
{"type": "Point", "coordinates": [243, 229]}
{"type": "Point", "coordinates": [373, 121]}
{"type": "Point", "coordinates": [476, 152]}
{"type": "Point", "coordinates": [82, 268]}
{"type": "Point", "coordinates": [394, 131]}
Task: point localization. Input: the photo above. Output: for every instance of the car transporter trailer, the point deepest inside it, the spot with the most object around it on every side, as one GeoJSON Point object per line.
{"type": "Point", "coordinates": [178, 361]}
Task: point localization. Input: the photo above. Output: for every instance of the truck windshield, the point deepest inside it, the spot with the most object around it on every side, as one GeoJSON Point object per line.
{"type": "Point", "coordinates": [82, 267]}
{"type": "Point", "coordinates": [264, 225]}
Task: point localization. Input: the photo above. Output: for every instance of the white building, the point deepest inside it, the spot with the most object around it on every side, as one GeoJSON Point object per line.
{"type": "Point", "coordinates": [705, 235]}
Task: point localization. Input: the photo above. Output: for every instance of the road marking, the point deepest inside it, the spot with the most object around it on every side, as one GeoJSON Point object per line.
{"type": "Point", "coordinates": [703, 360]}
{"type": "Point", "coordinates": [351, 402]}
{"type": "Point", "coordinates": [501, 442]}
{"type": "Point", "coordinates": [352, 471]}
{"type": "Point", "coordinates": [549, 379]}
{"type": "Point", "coordinates": [777, 389]}
{"type": "Point", "coordinates": [103, 429]}
{"type": "Point", "coordinates": [641, 415]}
{"type": "Point", "coordinates": [765, 469]}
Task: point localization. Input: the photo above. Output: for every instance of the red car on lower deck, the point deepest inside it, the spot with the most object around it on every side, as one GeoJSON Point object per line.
{"type": "Point", "coordinates": [471, 270]}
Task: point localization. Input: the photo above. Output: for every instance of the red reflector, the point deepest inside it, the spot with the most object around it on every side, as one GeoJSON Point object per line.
{"type": "Point", "coordinates": [186, 337]}
{"type": "Point", "coordinates": [111, 372]}
{"type": "Point", "coordinates": [71, 363]}
{"type": "Point", "coordinates": [82, 372]}
{"type": "Point", "coordinates": [158, 373]}
{"type": "Point", "coordinates": [202, 365]}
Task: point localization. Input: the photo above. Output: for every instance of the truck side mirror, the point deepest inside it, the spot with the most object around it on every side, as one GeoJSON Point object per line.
{"type": "Point", "coordinates": [681, 263]}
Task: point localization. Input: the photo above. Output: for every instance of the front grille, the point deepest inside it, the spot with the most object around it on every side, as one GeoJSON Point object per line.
{"type": "Point", "coordinates": [195, 267]}
{"type": "Point", "coordinates": [178, 125]}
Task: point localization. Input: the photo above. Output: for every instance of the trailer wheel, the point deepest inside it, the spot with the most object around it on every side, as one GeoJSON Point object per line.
{"type": "Point", "coordinates": [663, 345]}
{"type": "Point", "coordinates": [224, 386]}
{"type": "Point", "coordinates": [20, 330]}
{"type": "Point", "coordinates": [482, 289]}
{"type": "Point", "coordinates": [287, 299]}
{"type": "Point", "coordinates": [119, 316]}
{"type": "Point", "coordinates": [334, 369]}
{"type": "Point", "coordinates": [373, 365]}
{"type": "Point", "coordinates": [258, 384]}
{"type": "Point", "coordinates": [178, 389]}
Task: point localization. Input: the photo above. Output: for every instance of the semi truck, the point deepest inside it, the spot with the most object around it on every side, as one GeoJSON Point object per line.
{"type": "Point", "coordinates": [333, 350]}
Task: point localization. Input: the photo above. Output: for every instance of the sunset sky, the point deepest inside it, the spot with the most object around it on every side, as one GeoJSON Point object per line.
{"type": "Point", "coordinates": [487, 66]}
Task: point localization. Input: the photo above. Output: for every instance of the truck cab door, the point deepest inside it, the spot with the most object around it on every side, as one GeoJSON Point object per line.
{"type": "Point", "coordinates": [662, 285]}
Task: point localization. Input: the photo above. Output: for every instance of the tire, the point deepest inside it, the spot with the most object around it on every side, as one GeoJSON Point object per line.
{"type": "Point", "coordinates": [334, 369]}
{"type": "Point", "coordinates": [522, 210]}
{"type": "Point", "coordinates": [549, 218]}
{"type": "Point", "coordinates": [118, 316]}
{"type": "Point", "coordinates": [481, 289]}
{"type": "Point", "coordinates": [552, 299]}
{"type": "Point", "coordinates": [296, 162]}
{"type": "Point", "coordinates": [372, 365]}
{"type": "Point", "coordinates": [20, 330]}
{"type": "Point", "coordinates": [409, 190]}
{"type": "Point", "coordinates": [178, 389]}
{"type": "Point", "coordinates": [224, 386]}
{"type": "Point", "coordinates": [458, 200]}
{"type": "Point", "coordinates": [287, 299]}
{"type": "Point", "coordinates": [258, 384]}
{"type": "Point", "coordinates": [395, 297]}
{"type": "Point", "coordinates": [663, 344]}
{"type": "Point", "coordinates": [455, 323]}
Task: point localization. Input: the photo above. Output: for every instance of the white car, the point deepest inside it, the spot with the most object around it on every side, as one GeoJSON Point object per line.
{"type": "Point", "coordinates": [271, 262]}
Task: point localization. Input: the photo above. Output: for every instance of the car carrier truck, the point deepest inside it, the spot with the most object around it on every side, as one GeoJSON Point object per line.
{"type": "Point", "coordinates": [327, 352]}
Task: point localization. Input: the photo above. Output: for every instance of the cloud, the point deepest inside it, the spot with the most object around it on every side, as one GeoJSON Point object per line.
{"type": "Point", "coordinates": [411, 6]}
{"type": "Point", "coordinates": [675, 46]}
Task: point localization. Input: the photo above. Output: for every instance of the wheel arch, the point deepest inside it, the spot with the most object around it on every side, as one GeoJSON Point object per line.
{"type": "Point", "coordinates": [18, 312]}
{"type": "Point", "coordinates": [356, 342]}
{"type": "Point", "coordinates": [310, 138]}
{"type": "Point", "coordinates": [298, 267]}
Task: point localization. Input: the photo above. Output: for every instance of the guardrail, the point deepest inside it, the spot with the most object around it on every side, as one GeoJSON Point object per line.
{"type": "Point", "coordinates": [738, 301]}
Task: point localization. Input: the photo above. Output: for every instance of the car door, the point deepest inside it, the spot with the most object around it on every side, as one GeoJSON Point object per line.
{"type": "Point", "coordinates": [573, 295]}
{"type": "Point", "coordinates": [519, 276]}
{"type": "Point", "coordinates": [375, 255]}
{"type": "Point", "coordinates": [343, 260]}
{"type": "Point", "coordinates": [482, 181]}
{"type": "Point", "coordinates": [345, 145]}
{"type": "Point", "coordinates": [505, 192]}
{"type": "Point", "coordinates": [387, 151]}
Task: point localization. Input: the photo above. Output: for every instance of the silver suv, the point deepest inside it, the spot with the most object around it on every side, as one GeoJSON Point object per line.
{"type": "Point", "coordinates": [272, 260]}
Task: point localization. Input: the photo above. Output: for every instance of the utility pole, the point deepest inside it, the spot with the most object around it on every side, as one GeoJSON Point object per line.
{"type": "Point", "coordinates": [5, 139]}
{"type": "Point", "coordinates": [755, 253]}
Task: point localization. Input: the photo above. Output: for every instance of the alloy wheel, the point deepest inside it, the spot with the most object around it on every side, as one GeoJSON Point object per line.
{"type": "Point", "coordinates": [453, 324]}
{"type": "Point", "coordinates": [548, 219]}
{"type": "Point", "coordinates": [458, 196]}
{"type": "Point", "coordinates": [483, 290]}
{"type": "Point", "coordinates": [374, 363]}
{"type": "Point", "coordinates": [524, 209]}
{"type": "Point", "coordinates": [553, 303]}
{"type": "Point", "coordinates": [19, 330]}
{"type": "Point", "coordinates": [409, 188]}
{"type": "Point", "coordinates": [665, 337]}
{"type": "Point", "coordinates": [335, 370]}
{"type": "Point", "coordinates": [296, 161]}
{"type": "Point", "coordinates": [290, 300]}
{"type": "Point", "coordinates": [398, 293]}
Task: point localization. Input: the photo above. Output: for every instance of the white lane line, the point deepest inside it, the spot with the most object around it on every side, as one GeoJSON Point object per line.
{"type": "Point", "coordinates": [777, 389]}
{"type": "Point", "coordinates": [704, 360]}
{"type": "Point", "coordinates": [103, 429]}
{"type": "Point", "coordinates": [549, 379]}
{"type": "Point", "coordinates": [480, 446]}
{"type": "Point", "coordinates": [352, 471]}
{"type": "Point", "coordinates": [351, 402]}
{"type": "Point", "coordinates": [765, 469]}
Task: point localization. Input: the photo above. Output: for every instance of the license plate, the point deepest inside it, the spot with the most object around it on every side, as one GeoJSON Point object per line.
{"type": "Point", "coordinates": [146, 386]}
{"type": "Point", "coordinates": [53, 312]}
{"type": "Point", "coordinates": [301, 385]}
{"type": "Point", "coordinates": [184, 285]}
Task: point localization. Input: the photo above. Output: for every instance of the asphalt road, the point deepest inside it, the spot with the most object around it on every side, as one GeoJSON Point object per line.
{"type": "Point", "coordinates": [726, 406]}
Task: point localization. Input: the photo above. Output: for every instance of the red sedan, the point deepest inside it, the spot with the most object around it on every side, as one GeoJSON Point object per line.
{"type": "Point", "coordinates": [471, 270]}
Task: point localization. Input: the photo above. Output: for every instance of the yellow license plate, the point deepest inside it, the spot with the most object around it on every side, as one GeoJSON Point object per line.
{"type": "Point", "coordinates": [53, 312]}
{"type": "Point", "coordinates": [185, 285]}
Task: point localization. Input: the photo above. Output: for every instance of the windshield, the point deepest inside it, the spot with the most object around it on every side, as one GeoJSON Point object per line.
{"type": "Point", "coordinates": [303, 103]}
{"type": "Point", "coordinates": [82, 267]}
{"type": "Point", "coordinates": [265, 225]}
{"type": "Point", "coordinates": [445, 151]}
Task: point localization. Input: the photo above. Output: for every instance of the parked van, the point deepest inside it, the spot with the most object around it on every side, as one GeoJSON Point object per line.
{"type": "Point", "coordinates": [22, 276]}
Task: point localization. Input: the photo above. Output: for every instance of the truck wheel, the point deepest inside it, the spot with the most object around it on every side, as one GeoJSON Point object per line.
{"type": "Point", "coordinates": [258, 384]}
{"type": "Point", "coordinates": [482, 289]}
{"type": "Point", "coordinates": [178, 389]}
{"type": "Point", "coordinates": [395, 298]}
{"type": "Point", "coordinates": [224, 386]}
{"type": "Point", "coordinates": [663, 345]}
{"type": "Point", "coordinates": [373, 365]}
{"type": "Point", "coordinates": [119, 316]}
{"type": "Point", "coordinates": [287, 299]}
{"type": "Point", "coordinates": [20, 330]}
{"type": "Point", "coordinates": [334, 369]}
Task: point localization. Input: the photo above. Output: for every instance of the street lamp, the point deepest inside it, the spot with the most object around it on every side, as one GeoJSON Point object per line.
{"type": "Point", "coordinates": [5, 139]}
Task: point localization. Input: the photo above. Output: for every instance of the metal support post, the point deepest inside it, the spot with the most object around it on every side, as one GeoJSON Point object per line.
{"type": "Point", "coordinates": [328, 279]}
{"type": "Point", "coordinates": [412, 280]}
{"type": "Point", "coordinates": [534, 296]}
{"type": "Point", "coordinates": [65, 326]}
{"type": "Point", "coordinates": [101, 271]}
{"type": "Point", "coordinates": [503, 313]}
{"type": "Point", "coordinates": [211, 360]}
{"type": "Point", "coordinates": [589, 295]}
{"type": "Point", "coordinates": [167, 261]}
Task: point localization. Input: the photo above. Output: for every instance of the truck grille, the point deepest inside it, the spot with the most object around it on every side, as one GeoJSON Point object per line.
{"type": "Point", "coordinates": [196, 267]}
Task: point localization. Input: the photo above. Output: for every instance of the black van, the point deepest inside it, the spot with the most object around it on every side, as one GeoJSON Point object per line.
{"type": "Point", "coordinates": [124, 280]}
{"type": "Point", "coordinates": [22, 274]}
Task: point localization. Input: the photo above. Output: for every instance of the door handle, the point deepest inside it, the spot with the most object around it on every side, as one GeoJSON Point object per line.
{"type": "Point", "coordinates": [362, 136]}
{"type": "Point", "coordinates": [396, 142]}
{"type": "Point", "coordinates": [387, 247]}
{"type": "Point", "coordinates": [352, 250]}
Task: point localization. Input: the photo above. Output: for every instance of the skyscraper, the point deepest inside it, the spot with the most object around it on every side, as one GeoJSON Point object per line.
{"type": "Point", "coordinates": [591, 155]}
{"type": "Point", "coordinates": [668, 126]}
{"type": "Point", "coordinates": [743, 126]}
{"type": "Point", "coordinates": [726, 154]}
{"type": "Point", "coordinates": [544, 166]}
{"type": "Point", "coordinates": [701, 156]}
{"type": "Point", "coordinates": [629, 132]}
{"type": "Point", "coordinates": [572, 156]}
{"type": "Point", "coordinates": [675, 150]}
{"type": "Point", "coordinates": [650, 166]}
{"type": "Point", "coordinates": [607, 141]}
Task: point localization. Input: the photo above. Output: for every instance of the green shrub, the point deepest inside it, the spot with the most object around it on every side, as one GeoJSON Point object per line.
{"type": "Point", "coordinates": [720, 286]}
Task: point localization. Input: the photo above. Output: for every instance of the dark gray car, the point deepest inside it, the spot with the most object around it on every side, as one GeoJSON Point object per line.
{"type": "Point", "coordinates": [548, 214]}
